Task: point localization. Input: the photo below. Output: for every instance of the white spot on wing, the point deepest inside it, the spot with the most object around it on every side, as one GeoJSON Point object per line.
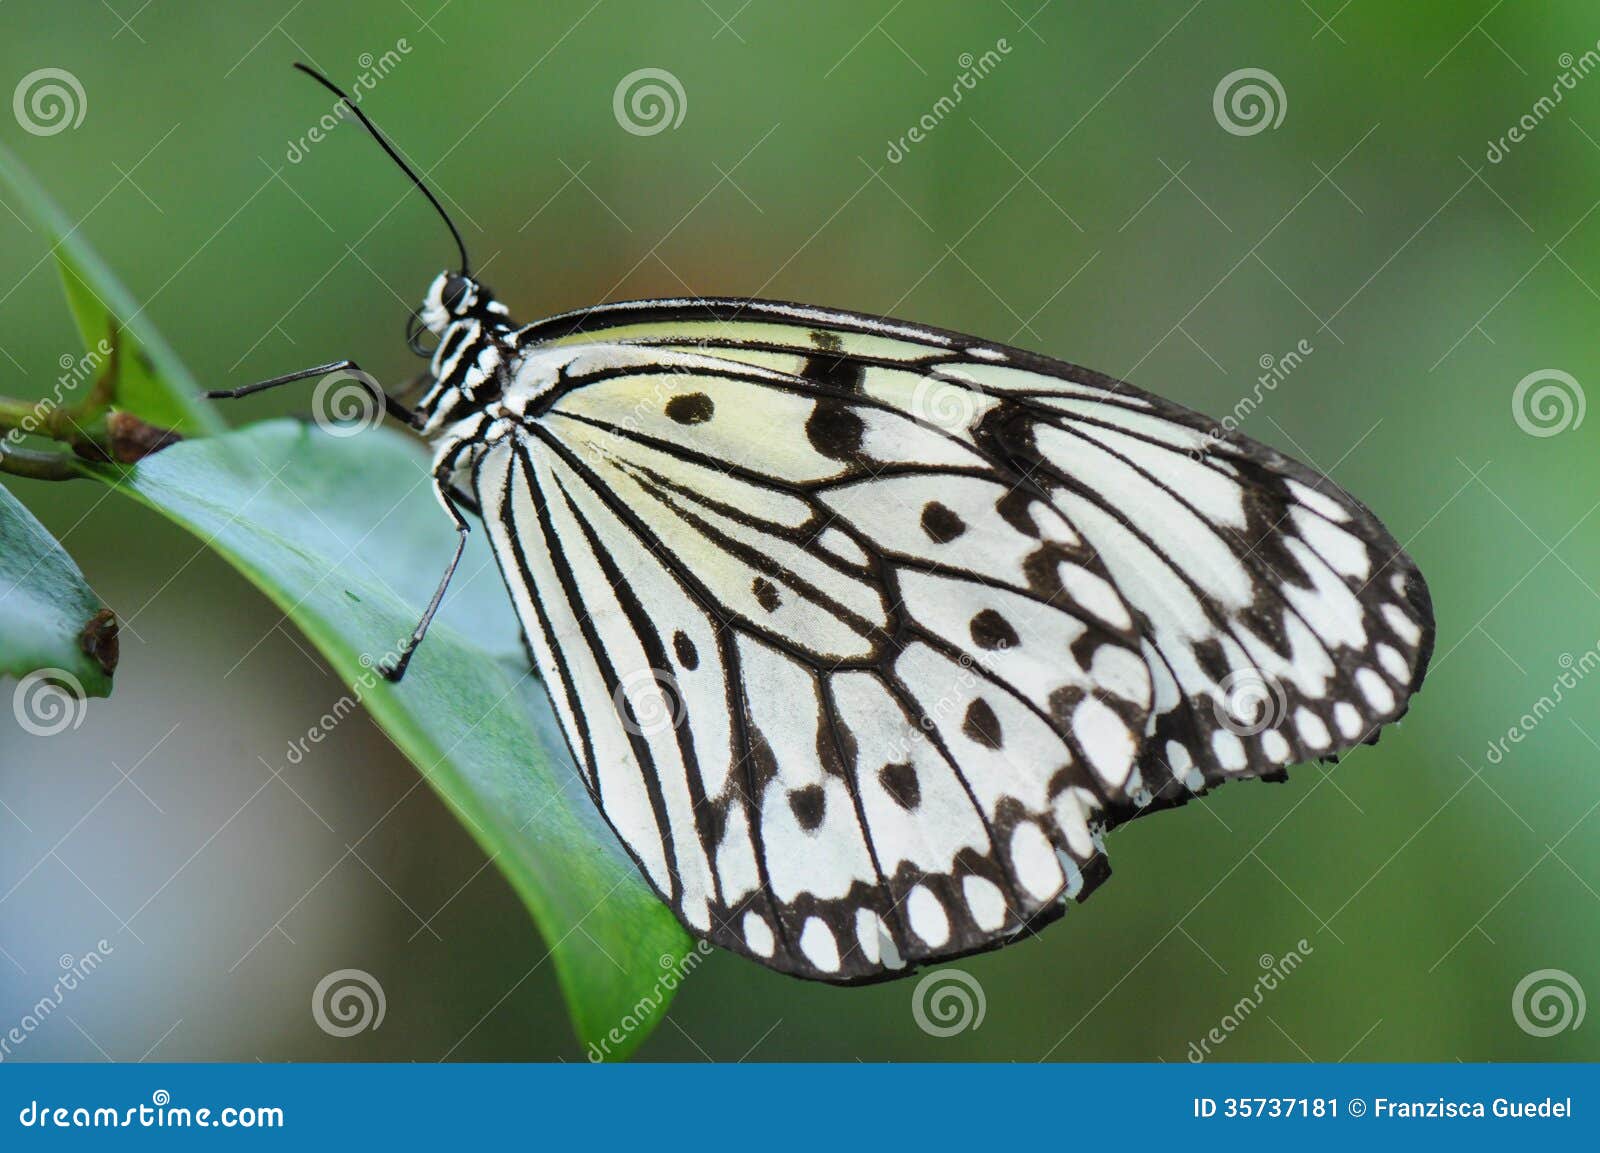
{"type": "Point", "coordinates": [928, 918]}
{"type": "Point", "coordinates": [1318, 502]}
{"type": "Point", "coordinates": [1347, 718]}
{"type": "Point", "coordinates": [1228, 750]}
{"type": "Point", "coordinates": [758, 934]}
{"type": "Point", "coordinates": [818, 944]}
{"type": "Point", "coordinates": [1095, 595]}
{"type": "Point", "coordinates": [1313, 733]}
{"type": "Point", "coordinates": [1072, 817]}
{"type": "Point", "coordinates": [985, 901]}
{"type": "Point", "coordinates": [1183, 767]}
{"type": "Point", "coordinates": [1033, 859]}
{"type": "Point", "coordinates": [736, 856]}
{"type": "Point", "coordinates": [1393, 663]}
{"type": "Point", "coordinates": [1105, 740]}
{"type": "Point", "coordinates": [1375, 689]}
{"type": "Point", "coordinates": [1345, 554]}
{"type": "Point", "coordinates": [1404, 627]}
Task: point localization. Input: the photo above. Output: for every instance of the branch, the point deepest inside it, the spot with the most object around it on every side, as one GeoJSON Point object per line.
{"type": "Point", "coordinates": [38, 465]}
{"type": "Point", "coordinates": [90, 428]}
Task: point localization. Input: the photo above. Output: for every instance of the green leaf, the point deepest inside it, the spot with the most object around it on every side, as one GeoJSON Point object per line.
{"type": "Point", "coordinates": [152, 382]}
{"type": "Point", "coordinates": [344, 534]}
{"type": "Point", "coordinates": [50, 619]}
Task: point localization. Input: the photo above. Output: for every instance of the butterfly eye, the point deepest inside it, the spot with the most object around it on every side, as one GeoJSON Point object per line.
{"type": "Point", "coordinates": [455, 291]}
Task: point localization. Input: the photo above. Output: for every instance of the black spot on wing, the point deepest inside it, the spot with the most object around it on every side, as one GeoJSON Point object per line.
{"type": "Point", "coordinates": [981, 725]}
{"type": "Point", "coordinates": [835, 430]}
{"type": "Point", "coordinates": [900, 782]}
{"type": "Point", "coordinates": [766, 594]}
{"type": "Point", "coordinates": [809, 805]}
{"type": "Point", "coordinates": [691, 408]}
{"type": "Point", "coordinates": [685, 651]}
{"type": "Point", "coordinates": [941, 523]}
{"type": "Point", "coordinates": [835, 371]}
{"type": "Point", "coordinates": [992, 631]}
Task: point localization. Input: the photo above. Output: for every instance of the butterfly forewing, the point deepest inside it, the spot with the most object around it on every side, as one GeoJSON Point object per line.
{"type": "Point", "coordinates": [862, 633]}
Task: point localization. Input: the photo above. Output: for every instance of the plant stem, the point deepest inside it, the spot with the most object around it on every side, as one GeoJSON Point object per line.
{"type": "Point", "coordinates": [90, 428]}
{"type": "Point", "coordinates": [38, 465]}
{"type": "Point", "coordinates": [14, 413]}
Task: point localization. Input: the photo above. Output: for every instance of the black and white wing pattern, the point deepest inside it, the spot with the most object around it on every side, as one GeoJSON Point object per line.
{"type": "Point", "coordinates": [863, 633]}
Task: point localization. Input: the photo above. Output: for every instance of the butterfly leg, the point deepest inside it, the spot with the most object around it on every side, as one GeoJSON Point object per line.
{"type": "Point", "coordinates": [390, 405]}
{"type": "Point", "coordinates": [393, 671]}
{"type": "Point", "coordinates": [466, 500]}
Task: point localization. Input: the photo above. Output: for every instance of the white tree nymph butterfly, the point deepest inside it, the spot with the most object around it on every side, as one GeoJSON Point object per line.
{"type": "Point", "coordinates": [862, 634]}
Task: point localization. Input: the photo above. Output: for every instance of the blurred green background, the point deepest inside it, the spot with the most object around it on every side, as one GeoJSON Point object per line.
{"type": "Point", "coordinates": [1082, 200]}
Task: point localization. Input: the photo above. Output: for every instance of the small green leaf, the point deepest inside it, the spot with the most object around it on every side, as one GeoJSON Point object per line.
{"type": "Point", "coordinates": [344, 534]}
{"type": "Point", "coordinates": [50, 619]}
{"type": "Point", "coordinates": [152, 382]}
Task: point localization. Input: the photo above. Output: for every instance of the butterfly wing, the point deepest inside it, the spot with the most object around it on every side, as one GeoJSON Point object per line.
{"type": "Point", "coordinates": [861, 632]}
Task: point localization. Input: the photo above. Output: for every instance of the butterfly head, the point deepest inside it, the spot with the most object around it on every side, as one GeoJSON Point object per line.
{"type": "Point", "coordinates": [454, 296]}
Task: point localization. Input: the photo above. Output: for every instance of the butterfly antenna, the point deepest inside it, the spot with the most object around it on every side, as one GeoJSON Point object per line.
{"type": "Point", "coordinates": [393, 155]}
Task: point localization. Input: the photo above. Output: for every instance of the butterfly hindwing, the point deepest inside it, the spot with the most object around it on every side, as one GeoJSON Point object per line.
{"type": "Point", "coordinates": [861, 633]}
